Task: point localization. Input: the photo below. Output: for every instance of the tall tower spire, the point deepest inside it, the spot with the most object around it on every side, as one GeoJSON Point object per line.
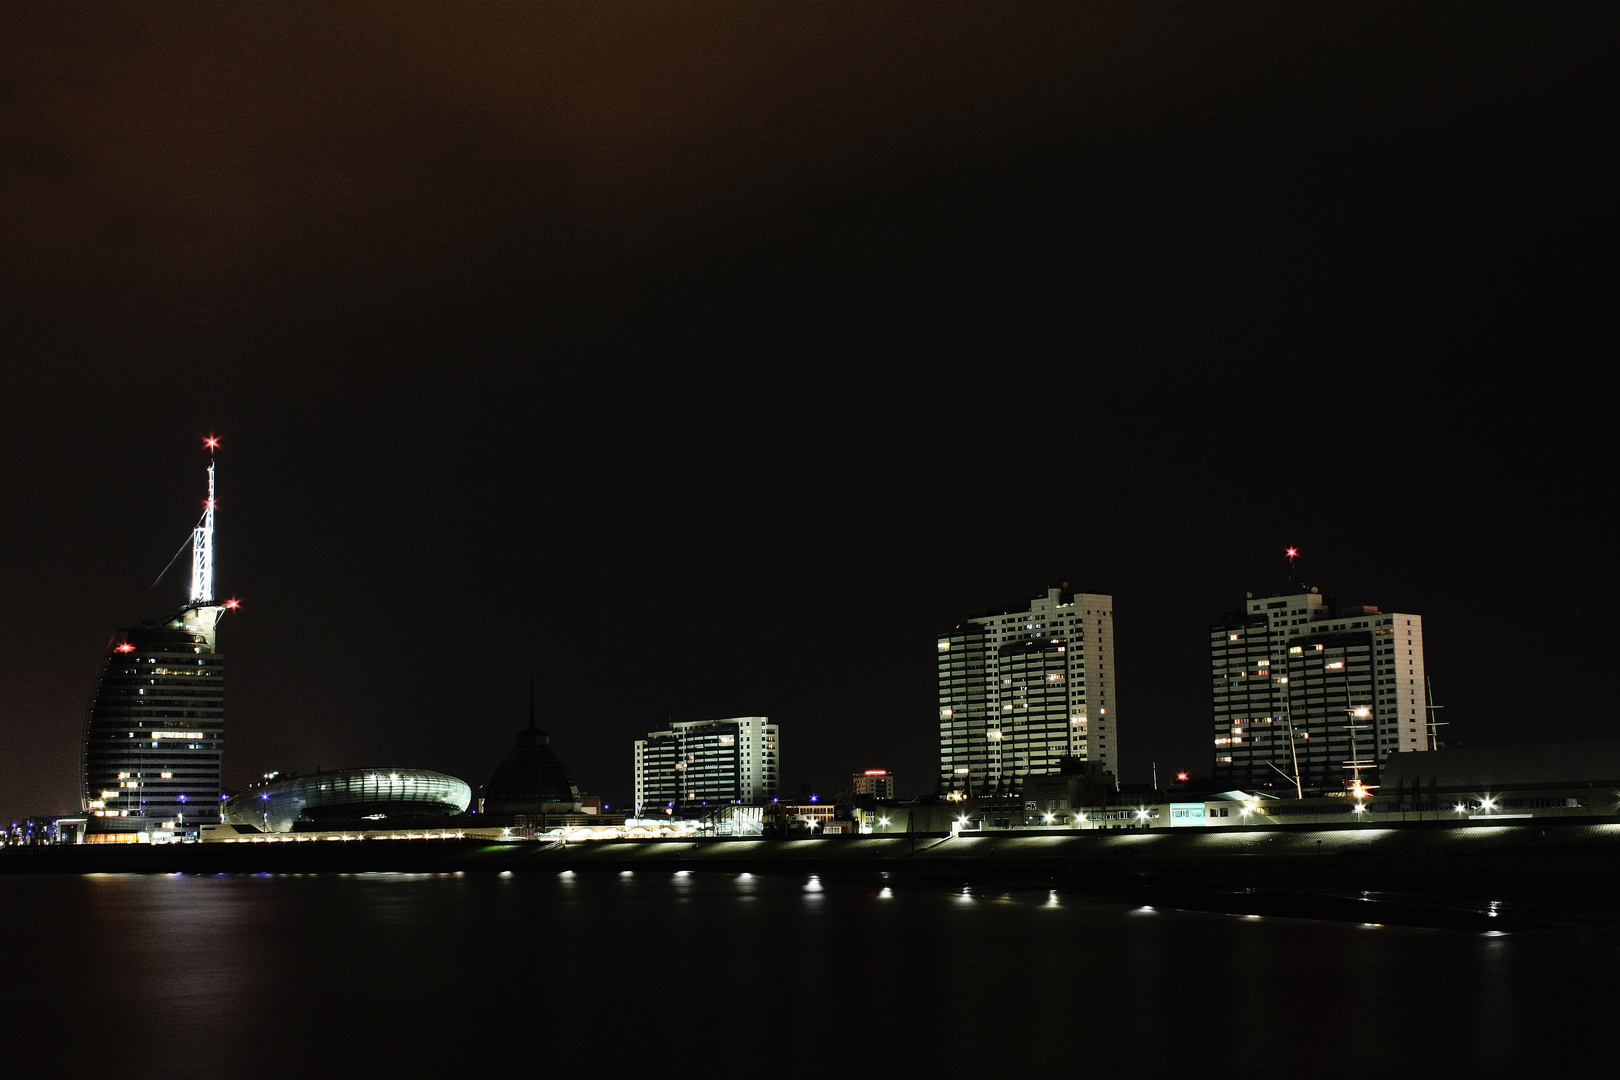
{"type": "Point", "coordinates": [202, 549]}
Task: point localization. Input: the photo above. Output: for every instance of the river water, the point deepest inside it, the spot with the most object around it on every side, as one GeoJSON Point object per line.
{"type": "Point", "coordinates": [602, 973]}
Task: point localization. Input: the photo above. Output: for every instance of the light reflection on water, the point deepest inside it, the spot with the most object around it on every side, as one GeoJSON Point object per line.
{"type": "Point", "coordinates": [419, 972]}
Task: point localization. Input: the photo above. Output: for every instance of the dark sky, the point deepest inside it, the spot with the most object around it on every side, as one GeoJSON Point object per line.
{"type": "Point", "coordinates": [708, 359]}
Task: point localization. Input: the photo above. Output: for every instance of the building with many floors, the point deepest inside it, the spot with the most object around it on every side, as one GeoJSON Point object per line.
{"type": "Point", "coordinates": [1022, 690]}
{"type": "Point", "coordinates": [874, 783]}
{"type": "Point", "coordinates": [154, 732]}
{"type": "Point", "coordinates": [1311, 696]}
{"type": "Point", "coordinates": [707, 762]}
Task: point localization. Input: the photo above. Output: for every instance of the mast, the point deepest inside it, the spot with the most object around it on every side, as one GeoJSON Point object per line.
{"type": "Point", "coordinates": [1429, 707]}
{"type": "Point", "coordinates": [202, 548]}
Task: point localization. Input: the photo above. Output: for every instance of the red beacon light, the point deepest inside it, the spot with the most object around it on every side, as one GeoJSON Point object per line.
{"type": "Point", "coordinates": [232, 604]}
{"type": "Point", "coordinates": [1293, 553]}
{"type": "Point", "coordinates": [125, 647]}
{"type": "Point", "coordinates": [1181, 776]}
{"type": "Point", "coordinates": [877, 772]}
{"type": "Point", "coordinates": [212, 442]}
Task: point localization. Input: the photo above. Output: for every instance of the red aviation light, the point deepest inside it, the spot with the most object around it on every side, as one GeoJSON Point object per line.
{"type": "Point", "coordinates": [877, 772]}
{"type": "Point", "coordinates": [212, 442]}
{"type": "Point", "coordinates": [1293, 553]}
{"type": "Point", "coordinates": [232, 604]}
{"type": "Point", "coordinates": [125, 647]}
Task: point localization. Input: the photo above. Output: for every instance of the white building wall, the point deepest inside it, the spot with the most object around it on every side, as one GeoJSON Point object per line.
{"type": "Point", "coordinates": [1397, 701]}
{"type": "Point", "coordinates": [703, 753]}
{"type": "Point", "coordinates": [1007, 740]}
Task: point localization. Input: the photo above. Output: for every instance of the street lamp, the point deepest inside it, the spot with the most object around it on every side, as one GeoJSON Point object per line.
{"type": "Point", "coordinates": [1356, 764]}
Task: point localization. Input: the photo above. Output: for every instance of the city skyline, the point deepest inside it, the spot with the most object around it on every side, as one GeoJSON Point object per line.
{"type": "Point", "coordinates": [201, 599]}
{"type": "Point", "coordinates": [709, 366]}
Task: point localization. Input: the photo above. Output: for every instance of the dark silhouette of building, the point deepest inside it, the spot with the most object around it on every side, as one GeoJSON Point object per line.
{"type": "Point", "coordinates": [531, 779]}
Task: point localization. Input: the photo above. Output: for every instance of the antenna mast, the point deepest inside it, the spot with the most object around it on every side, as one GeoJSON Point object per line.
{"type": "Point", "coordinates": [202, 547]}
{"type": "Point", "coordinates": [1435, 723]}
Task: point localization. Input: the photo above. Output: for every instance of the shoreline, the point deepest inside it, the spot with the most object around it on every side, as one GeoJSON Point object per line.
{"type": "Point", "coordinates": [1506, 875]}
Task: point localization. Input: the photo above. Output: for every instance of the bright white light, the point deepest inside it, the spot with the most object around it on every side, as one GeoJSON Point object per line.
{"type": "Point", "coordinates": [202, 550]}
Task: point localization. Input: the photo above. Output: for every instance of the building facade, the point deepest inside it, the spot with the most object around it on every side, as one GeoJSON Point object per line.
{"type": "Point", "coordinates": [707, 762]}
{"type": "Point", "coordinates": [877, 783]}
{"type": "Point", "coordinates": [155, 730]}
{"type": "Point", "coordinates": [348, 795]}
{"type": "Point", "coordinates": [1311, 697]}
{"type": "Point", "coordinates": [1020, 691]}
{"type": "Point", "coordinates": [531, 778]}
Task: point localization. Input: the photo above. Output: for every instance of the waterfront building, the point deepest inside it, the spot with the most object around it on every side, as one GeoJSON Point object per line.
{"type": "Point", "coordinates": [704, 762]}
{"type": "Point", "coordinates": [155, 730]}
{"type": "Point", "coordinates": [1308, 695]}
{"type": "Point", "coordinates": [877, 783]}
{"type": "Point", "coordinates": [532, 779]}
{"type": "Point", "coordinates": [349, 796]}
{"type": "Point", "coordinates": [1022, 690]}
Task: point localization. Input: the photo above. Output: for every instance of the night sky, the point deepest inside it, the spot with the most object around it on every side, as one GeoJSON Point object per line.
{"type": "Point", "coordinates": [706, 360]}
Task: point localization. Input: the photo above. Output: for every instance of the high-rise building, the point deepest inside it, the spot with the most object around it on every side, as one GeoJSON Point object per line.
{"type": "Point", "coordinates": [1019, 691]}
{"type": "Point", "coordinates": [1312, 696]}
{"type": "Point", "coordinates": [155, 728]}
{"type": "Point", "coordinates": [707, 762]}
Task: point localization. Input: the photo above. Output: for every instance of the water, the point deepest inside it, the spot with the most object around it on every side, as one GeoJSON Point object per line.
{"type": "Point", "coordinates": [604, 973]}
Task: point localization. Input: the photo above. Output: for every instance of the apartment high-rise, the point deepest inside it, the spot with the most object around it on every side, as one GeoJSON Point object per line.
{"type": "Point", "coordinates": [707, 763]}
{"type": "Point", "coordinates": [155, 729]}
{"type": "Point", "coordinates": [1311, 694]}
{"type": "Point", "coordinates": [1019, 691]}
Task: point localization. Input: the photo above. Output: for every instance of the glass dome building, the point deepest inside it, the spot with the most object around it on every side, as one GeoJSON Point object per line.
{"type": "Point", "coordinates": [348, 795]}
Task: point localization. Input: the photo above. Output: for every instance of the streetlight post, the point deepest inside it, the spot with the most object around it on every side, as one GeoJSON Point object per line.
{"type": "Point", "coordinates": [1356, 764]}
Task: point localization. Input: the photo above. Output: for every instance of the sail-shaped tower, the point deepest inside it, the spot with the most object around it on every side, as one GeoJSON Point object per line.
{"type": "Point", "coordinates": [156, 726]}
